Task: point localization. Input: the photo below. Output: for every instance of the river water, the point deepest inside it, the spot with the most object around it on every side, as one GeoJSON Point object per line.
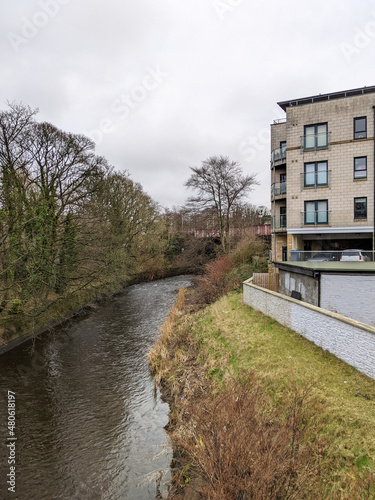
{"type": "Point", "coordinates": [89, 422]}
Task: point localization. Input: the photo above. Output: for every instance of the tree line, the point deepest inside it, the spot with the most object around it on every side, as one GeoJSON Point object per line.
{"type": "Point", "coordinates": [72, 226]}
{"type": "Point", "coordinates": [68, 221]}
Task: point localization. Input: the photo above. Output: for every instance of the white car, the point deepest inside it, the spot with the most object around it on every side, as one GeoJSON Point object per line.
{"type": "Point", "coordinates": [352, 255]}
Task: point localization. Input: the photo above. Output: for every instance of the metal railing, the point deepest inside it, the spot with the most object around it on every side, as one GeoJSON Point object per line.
{"type": "Point", "coordinates": [311, 142]}
{"type": "Point", "coordinates": [331, 256]}
{"type": "Point", "coordinates": [316, 218]}
{"type": "Point", "coordinates": [279, 222]}
{"type": "Point", "coordinates": [278, 188]}
{"type": "Point", "coordinates": [315, 179]}
{"type": "Point", "coordinates": [279, 120]}
{"type": "Point", "coordinates": [278, 154]}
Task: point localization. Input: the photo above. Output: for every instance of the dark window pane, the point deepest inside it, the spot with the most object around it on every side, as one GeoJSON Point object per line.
{"type": "Point", "coordinates": [360, 208]}
{"type": "Point", "coordinates": [360, 128]}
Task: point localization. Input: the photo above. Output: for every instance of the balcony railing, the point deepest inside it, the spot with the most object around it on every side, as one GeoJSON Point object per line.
{"type": "Point", "coordinates": [316, 218]}
{"type": "Point", "coordinates": [279, 222]}
{"type": "Point", "coordinates": [279, 120]}
{"type": "Point", "coordinates": [312, 142]}
{"type": "Point", "coordinates": [315, 179]}
{"type": "Point", "coordinates": [278, 188]}
{"type": "Point", "coordinates": [278, 154]}
{"type": "Point", "coordinates": [327, 256]}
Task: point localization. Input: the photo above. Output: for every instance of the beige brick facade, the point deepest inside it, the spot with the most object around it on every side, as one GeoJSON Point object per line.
{"type": "Point", "coordinates": [337, 193]}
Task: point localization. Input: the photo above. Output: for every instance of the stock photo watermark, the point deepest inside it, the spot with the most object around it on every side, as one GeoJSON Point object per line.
{"type": "Point", "coordinates": [31, 26]}
{"type": "Point", "coordinates": [126, 102]}
{"type": "Point", "coordinates": [362, 38]}
{"type": "Point", "coordinates": [224, 7]}
{"type": "Point", "coordinates": [250, 146]}
{"type": "Point", "coordinates": [11, 442]}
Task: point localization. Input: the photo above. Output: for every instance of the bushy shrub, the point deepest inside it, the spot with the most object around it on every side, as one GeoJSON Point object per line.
{"type": "Point", "coordinates": [248, 249]}
{"type": "Point", "coordinates": [228, 273]}
{"type": "Point", "coordinates": [248, 449]}
{"type": "Point", "coordinates": [214, 281]}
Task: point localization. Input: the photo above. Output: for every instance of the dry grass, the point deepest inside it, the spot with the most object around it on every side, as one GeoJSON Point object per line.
{"type": "Point", "coordinates": [252, 341]}
{"type": "Point", "coordinates": [159, 356]}
{"type": "Point", "coordinates": [199, 360]}
{"type": "Point", "coordinates": [246, 448]}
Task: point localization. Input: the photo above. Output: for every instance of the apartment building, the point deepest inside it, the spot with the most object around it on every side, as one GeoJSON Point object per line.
{"type": "Point", "coordinates": [322, 174]}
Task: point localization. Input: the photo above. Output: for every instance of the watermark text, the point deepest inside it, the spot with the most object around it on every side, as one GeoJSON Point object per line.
{"type": "Point", "coordinates": [11, 442]}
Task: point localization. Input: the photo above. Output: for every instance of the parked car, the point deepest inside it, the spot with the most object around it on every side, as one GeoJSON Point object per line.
{"type": "Point", "coordinates": [352, 255]}
{"type": "Point", "coordinates": [322, 257]}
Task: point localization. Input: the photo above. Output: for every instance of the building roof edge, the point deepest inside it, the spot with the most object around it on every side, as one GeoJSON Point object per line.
{"type": "Point", "coordinates": [326, 97]}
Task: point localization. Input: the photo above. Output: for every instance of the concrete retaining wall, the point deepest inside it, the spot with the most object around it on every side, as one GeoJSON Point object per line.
{"type": "Point", "coordinates": [349, 340]}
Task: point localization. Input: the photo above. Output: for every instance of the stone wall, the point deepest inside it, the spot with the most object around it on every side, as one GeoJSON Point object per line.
{"type": "Point", "coordinates": [349, 340]}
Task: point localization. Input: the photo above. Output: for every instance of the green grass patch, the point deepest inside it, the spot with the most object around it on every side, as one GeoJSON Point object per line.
{"type": "Point", "coordinates": [232, 338]}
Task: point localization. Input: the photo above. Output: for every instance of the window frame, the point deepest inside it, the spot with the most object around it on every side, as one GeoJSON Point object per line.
{"type": "Point", "coordinates": [316, 172]}
{"type": "Point", "coordinates": [315, 135]}
{"type": "Point", "coordinates": [316, 211]}
{"type": "Point", "coordinates": [356, 132]}
{"type": "Point", "coordinates": [282, 213]}
{"type": "Point", "coordinates": [357, 214]}
{"type": "Point", "coordinates": [355, 171]}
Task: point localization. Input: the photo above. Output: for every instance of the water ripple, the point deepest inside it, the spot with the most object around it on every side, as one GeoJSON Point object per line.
{"type": "Point", "coordinates": [88, 423]}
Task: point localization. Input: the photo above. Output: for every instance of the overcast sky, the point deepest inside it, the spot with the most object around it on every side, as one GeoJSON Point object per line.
{"type": "Point", "coordinates": [161, 85]}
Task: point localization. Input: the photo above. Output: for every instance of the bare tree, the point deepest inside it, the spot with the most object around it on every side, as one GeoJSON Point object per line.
{"type": "Point", "coordinates": [219, 184]}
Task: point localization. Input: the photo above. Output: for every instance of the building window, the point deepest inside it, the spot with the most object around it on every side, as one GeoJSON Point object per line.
{"type": "Point", "coordinates": [316, 212]}
{"type": "Point", "coordinates": [316, 136]}
{"type": "Point", "coordinates": [360, 208]}
{"type": "Point", "coordinates": [282, 216]}
{"type": "Point", "coordinates": [360, 167]}
{"type": "Point", "coordinates": [282, 183]}
{"type": "Point", "coordinates": [360, 127]}
{"type": "Point", "coordinates": [316, 174]}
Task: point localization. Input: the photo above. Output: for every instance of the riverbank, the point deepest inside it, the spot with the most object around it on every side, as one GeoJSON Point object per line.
{"type": "Point", "coordinates": [71, 307]}
{"type": "Point", "coordinates": [227, 370]}
{"type": "Point", "coordinates": [86, 391]}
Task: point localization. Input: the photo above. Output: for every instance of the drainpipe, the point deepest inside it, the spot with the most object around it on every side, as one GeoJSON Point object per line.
{"type": "Point", "coordinates": [373, 232]}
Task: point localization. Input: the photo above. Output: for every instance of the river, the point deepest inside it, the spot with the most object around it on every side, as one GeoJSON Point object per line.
{"type": "Point", "coordinates": [89, 423]}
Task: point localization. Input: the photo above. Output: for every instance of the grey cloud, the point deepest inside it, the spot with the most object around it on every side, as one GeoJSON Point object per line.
{"type": "Point", "coordinates": [224, 75]}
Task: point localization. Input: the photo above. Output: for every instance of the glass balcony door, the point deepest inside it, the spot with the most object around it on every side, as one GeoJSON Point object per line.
{"type": "Point", "coordinates": [316, 212]}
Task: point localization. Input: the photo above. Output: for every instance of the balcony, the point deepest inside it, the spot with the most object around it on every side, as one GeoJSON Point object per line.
{"type": "Point", "coordinates": [326, 256]}
{"type": "Point", "coordinates": [278, 155]}
{"type": "Point", "coordinates": [279, 222]}
{"type": "Point", "coordinates": [278, 188]}
{"type": "Point", "coordinates": [279, 120]}
{"type": "Point", "coordinates": [312, 142]}
{"type": "Point", "coordinates": [318, 179]}
{"type": "Point", "coordinates": [316, 218]}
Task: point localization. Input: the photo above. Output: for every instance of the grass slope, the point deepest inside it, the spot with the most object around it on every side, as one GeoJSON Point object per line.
{"type": "Point", "coordinates": [229, 338]}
